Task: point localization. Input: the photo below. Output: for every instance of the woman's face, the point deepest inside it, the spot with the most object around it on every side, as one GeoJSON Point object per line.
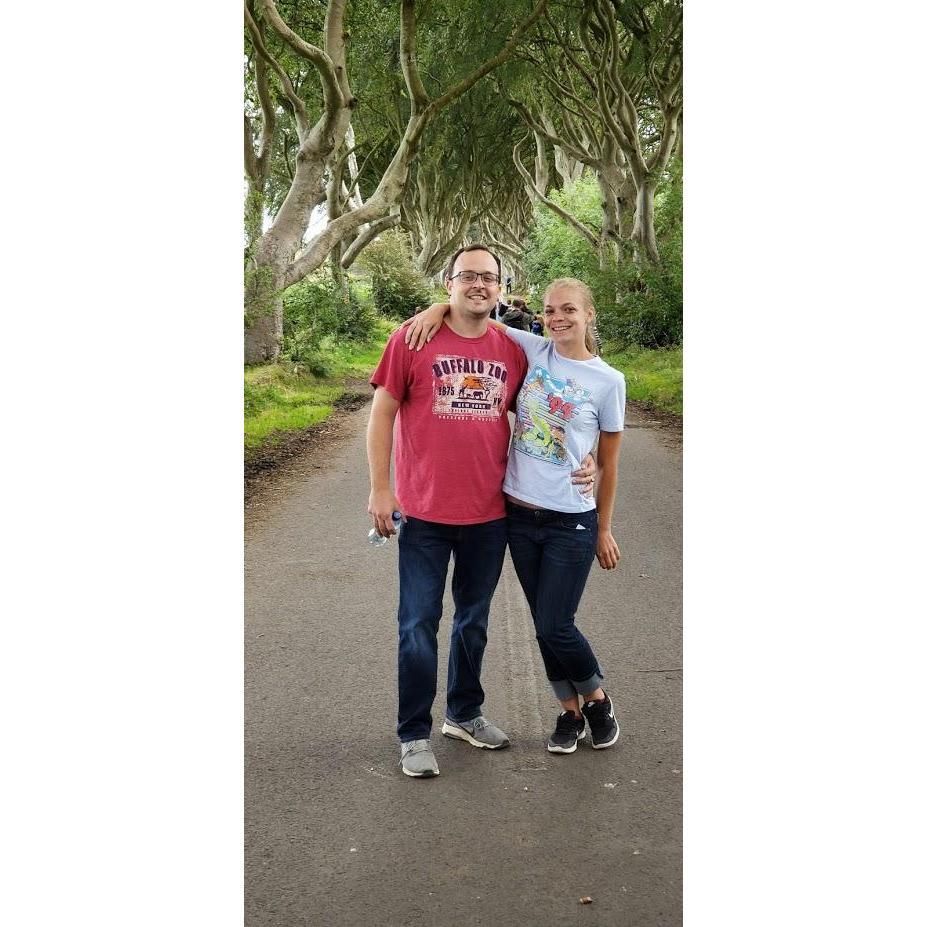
{"type": "Point", "coordinates": [565, 315]}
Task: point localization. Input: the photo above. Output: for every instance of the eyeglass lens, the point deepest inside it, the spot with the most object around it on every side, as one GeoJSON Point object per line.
{"type": "Point", "coordinates": [468, 276]}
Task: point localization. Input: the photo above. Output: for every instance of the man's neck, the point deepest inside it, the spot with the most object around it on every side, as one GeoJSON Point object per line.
{"type": "Point", "coordinates": [467, 326]}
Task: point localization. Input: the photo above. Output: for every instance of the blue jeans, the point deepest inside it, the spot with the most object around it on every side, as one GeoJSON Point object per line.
{"type": "Point", "coordinates": [552, 553]}
{"type": "Point", "coordinates": [425, 548]}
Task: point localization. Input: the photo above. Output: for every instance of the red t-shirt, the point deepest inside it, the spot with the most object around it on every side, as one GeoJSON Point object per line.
{"type": "Point", "coordinates": [452, 432]}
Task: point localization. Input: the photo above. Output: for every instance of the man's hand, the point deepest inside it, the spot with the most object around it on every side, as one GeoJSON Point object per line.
{"type": "Point", "coordinates": [421, 328]}
{"type": "Point", "coordinates": [381, 506]}
{"type": "Point", "coordinates": [607, 551]}
{"type": "Point", "coordinates": [584, 477]}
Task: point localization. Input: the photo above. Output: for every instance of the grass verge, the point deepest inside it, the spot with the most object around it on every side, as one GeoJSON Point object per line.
{"type": "Point", "coordinates": [653, 376]}
{"type": "Point", "coordinates": [284, 398]}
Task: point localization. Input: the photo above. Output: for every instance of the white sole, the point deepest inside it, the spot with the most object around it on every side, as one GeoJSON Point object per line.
{"type": "Point", "coordinates": [421, 775]}
{"type": "Point", "coordinates": [572, 749]}
{"type": "Point", "coordinates": [458, 733]}
{"type": "Point", "coordinates": [610, 743]}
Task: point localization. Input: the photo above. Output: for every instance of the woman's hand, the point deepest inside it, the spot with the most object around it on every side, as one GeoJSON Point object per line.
{"type": "Point", "coordinates": [421, 328]}
{"type": "Point", "coordinates": [607, 551]}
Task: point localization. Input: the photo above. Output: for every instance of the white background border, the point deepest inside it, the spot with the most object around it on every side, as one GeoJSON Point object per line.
{"type": "Point", "coordinates": [804, 499]}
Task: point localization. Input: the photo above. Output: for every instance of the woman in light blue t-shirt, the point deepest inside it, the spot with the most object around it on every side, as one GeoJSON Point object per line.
{"type": "Point", "coordinates": [570, 400]}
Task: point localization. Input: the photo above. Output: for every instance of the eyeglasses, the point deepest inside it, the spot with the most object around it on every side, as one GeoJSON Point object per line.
{"type": "Point", "coordinates": [469, 276]}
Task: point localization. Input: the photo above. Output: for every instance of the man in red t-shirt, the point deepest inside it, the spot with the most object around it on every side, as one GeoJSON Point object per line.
{"type": "Point", "coordinates": [449, 403]}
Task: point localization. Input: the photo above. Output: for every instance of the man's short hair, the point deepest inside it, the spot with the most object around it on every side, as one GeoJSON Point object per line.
{"type": "Point", "coordinates": [448, 273]}
{"type": "Point", "coordinates": [519, 303]}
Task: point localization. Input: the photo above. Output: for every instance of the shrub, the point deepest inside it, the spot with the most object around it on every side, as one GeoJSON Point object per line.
{"type": "Point", "coordinates": [320, 306]}
{"type": "Point", "coordinates": [649, 301]}
{"type": "Point", "coordinates": [636, 303]}
{"type": "Point", "coordinates": [397, 288]}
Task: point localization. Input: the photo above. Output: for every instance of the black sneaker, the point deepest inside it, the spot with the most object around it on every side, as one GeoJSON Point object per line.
{"type": "Point", "coordinates": [602, 722]}
{"type": "Point", "coordinates": [568, 732]}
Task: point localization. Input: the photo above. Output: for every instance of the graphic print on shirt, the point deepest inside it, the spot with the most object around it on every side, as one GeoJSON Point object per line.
{"type": "Point", "coordinates": [468, 388]}
{"type": "Point", "coordinates": [545, 405]}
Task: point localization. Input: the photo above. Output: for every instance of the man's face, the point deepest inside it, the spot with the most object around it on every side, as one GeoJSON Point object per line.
{"type": "Point", "coordinates": [473, 300]}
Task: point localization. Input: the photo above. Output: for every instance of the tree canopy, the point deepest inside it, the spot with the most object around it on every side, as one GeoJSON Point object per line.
{"type": "Point", "coordinates": [452, 124]}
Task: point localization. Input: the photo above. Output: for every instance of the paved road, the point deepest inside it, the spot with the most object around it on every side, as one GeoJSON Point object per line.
{"type": "Point", "coordinates": [336, 835]}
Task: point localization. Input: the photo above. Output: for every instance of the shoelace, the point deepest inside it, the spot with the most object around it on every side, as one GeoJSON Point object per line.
{"type": "Point", "coordinates": [566, 723]}
{"type": "Point", "coordinates": [480, 723]}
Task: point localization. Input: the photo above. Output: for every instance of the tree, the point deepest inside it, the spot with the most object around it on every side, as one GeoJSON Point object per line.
{"type": "Point", "coordinates": [465, 186]}
{"type": "Point", "coordinates": [613, 75]}
{"type": "Point", "coordinates": [636, 303]}
{"type": "Point", "coordinates": [281, 256]}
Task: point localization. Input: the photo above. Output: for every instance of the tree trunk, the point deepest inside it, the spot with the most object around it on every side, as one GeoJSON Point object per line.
{"type": "Point", "coordinates": [541, 171]}
{"type": "Point", "coordinates": [644, 233]}
{"type": "Point", "coordinates": [263, 316]}
{"type": "Point", "coordinates": [254, 218]}
{"type": "Point", "coordinates": [608, 234]}
{"type": "Point", "coordinates": [625, 202]}
{"type": "Point", "coordinates": [340, 275]}
{"type": "Point", "coordinates": [426, 253]}
{"type": "Point", "coordinates": [569, 169]}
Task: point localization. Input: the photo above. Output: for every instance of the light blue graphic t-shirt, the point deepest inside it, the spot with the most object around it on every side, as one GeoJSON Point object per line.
{"type": "Point", "coordinates": [562, 407]}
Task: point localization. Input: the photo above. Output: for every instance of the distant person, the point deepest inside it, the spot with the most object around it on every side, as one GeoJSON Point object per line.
{"type": "Point", "coordinates": [508, 284]}
{"type": "Point", "coordinates": [537, 325]}
{"type": "Point", "coordinates": [499, 310]}
{"type": "Point", "coordinates": [517, 316]}
{"type": "Point", "coordinates": [570, 399]}
{"type": "Point", "coordinates": [448, 403]}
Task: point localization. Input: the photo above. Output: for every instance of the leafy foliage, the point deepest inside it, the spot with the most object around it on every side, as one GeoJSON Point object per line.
{"type": "Point", "coordinates": [322, 307]}
{"type": "Point", "coordinates": [650, 296]}
{"type": "Point", "coordinates": [288, 397]}
{"type": "Point", "coordinates": [556, 249]}
{"type": "Point", "coordinates": [653, 376]}
{"type": "Point", "coordinates": [397, 288]}
{"type": "Point", "coordinates": [636, 302]}
{"type": "Point", "coordinates": [464, 164]}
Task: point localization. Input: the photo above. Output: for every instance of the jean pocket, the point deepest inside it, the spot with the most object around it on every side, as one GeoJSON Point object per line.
{"type": "Point", "coordinates": [580, 522]}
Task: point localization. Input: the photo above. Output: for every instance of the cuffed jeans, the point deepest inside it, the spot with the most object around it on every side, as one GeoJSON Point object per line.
{"type": "Point", "coordinates": [552, 553]}
{"type": "Point", "coordinates": [425, 548]}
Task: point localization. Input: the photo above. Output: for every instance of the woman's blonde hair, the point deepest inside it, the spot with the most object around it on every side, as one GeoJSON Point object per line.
{"type": "Point", "coordinates": [585, 301]}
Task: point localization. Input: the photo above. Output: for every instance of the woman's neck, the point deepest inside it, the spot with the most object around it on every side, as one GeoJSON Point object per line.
{"type": "Point", "coordinates": [573, 351]}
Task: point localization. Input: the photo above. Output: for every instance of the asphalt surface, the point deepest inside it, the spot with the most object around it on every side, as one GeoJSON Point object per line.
{"type": "Point", "coordinates": [336, 835]}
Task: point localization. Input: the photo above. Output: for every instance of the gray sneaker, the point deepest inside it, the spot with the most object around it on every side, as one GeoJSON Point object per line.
{"type": "Point", "coordinates": [416, 759]}
{"type": "Point", "coordinates": [478, 732]}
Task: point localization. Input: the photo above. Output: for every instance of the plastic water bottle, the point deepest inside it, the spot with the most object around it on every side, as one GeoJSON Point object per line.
{"type": "Point", "coordinates": [378, 540]}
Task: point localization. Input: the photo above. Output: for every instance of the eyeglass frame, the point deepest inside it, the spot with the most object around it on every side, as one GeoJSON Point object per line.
{"type": "Point", "coordinates": [482, 274]}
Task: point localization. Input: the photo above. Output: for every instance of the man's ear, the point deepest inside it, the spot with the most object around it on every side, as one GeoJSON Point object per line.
{"type": "Point", "coordinates": [447, 286]}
